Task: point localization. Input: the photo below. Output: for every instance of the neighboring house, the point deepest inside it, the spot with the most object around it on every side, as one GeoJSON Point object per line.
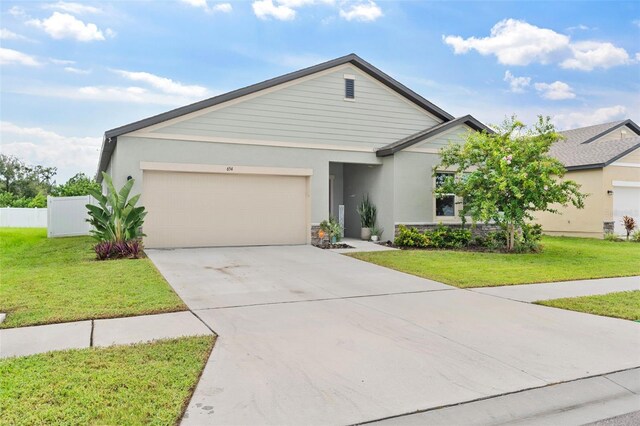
{"type": "Point", "coordinates": [267, 163]}
{"type": "Point", "coordinates": [605, 160]}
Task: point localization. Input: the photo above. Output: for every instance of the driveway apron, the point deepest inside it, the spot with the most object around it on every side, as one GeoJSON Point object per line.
{"type": "Point", "coordinates": [314, 337]}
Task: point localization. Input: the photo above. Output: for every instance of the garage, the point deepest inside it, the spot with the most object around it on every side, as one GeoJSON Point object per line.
{"type": "Point", "coordinates": [209, 206]}
{"type": "Point", "coordinates": [626, 202]}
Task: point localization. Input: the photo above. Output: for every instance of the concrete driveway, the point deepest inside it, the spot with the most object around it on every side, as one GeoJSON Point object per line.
{"type": "Point", "coordinates": [313, 337]}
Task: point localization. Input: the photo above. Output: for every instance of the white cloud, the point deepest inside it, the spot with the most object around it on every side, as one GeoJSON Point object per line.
{"type": "Point", "coordinates": [516, 42]}
{"type": "Point", "coordinates": [265, 9]}
{"type": "Point", "coordinates": [165, 85]}
{"type": "Point", "coordinates": [10, 56]}
{"type": "Point", "coordinates": [71, 154]}
{"type": "Point", "coordinates": [62, 25]}
{"type": "Point", "coordinates": [555, 91]}
{"type": "Point", "coordinates": [588, 55]}
{"type": "Point", "coordinates": [203, 4]}
{"type": "Point", "coordinates": [516, 84]}
{"type": "Point", "coordinates": [584, 118]}
{"type": "Point", "coordinates": [62, 61]}
{"type": "Point", "coordinates": [6, 34]}
{"type": "Point", "coordinates": [17, 11]}
{"type": "Point", "coordinates": [75, 8]}
{"type": "Point", "coordinates": [364, 12]}
{"type": "Point", "coordinates": [580, 27]}
{"type": "Point", "coordinates": [74, 70]}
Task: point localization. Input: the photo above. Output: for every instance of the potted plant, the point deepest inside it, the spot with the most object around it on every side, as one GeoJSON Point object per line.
{"type": "Point", "coordinates": [367, 212]}
{"type": "Point", "coordinates": [332, 229]}
{"type": "Point", "coordinates": [376, 233]}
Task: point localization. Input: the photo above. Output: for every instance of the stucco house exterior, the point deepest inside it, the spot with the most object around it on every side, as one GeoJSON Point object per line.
{"type": "Point", "coordinates": [267, 163]}
{"type": "Point", "coordinates": [605, 160]}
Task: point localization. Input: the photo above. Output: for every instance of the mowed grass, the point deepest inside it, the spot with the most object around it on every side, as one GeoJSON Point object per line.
{"type": "Point", "coordinates": [48, 280]}
{"type": "Point", "coordinates": [625, 304]}
{"type": "Point", "coordinates": [122, 385]}
{"type": "Point", "coordinates": [562, 259]}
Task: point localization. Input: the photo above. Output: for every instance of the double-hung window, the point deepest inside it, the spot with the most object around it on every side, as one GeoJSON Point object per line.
{"type": "Point", "coordinates": [445, 204]}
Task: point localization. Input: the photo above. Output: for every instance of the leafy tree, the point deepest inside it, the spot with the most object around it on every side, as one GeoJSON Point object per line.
{"type": "Point", "coordinates": [22, 181]}
{"type": "Point", "coordinates": [508, 175]}
{"type": "Point", "coordinates": [80, 184]}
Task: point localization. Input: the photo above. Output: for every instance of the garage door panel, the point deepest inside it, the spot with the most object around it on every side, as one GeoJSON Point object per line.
{"type": "Point", "coordinates": [213, 209]}
{"type": "Point", "coordinates": [626, 202]}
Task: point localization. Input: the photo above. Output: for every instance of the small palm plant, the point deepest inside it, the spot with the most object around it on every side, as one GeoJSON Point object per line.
{"type": "Point", "coordinates": [629, 224]}
{"type": "Point", "coordinates": [116, 221]}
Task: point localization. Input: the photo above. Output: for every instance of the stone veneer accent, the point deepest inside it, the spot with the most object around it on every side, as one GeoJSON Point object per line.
{"type": "Point", "coordinates": [315, 239]}
{"type": "Point", "coordinates": [608, 227]}
{"type": "Point", "coordinates": [477, 230]}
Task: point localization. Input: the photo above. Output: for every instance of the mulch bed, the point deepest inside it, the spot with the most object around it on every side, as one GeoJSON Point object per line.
{"type": "Point", "coordinates": [326, 246]}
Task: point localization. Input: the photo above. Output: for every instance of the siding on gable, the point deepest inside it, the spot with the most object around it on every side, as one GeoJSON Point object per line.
{"type": "Point", "coordinates": [457, 134]}
{"type": "Point", "coordinates": [633, 157]}
{"type": "Point", "coordinates": [617, 134]}
{"type": "Point", "coordinates": [314, 111]}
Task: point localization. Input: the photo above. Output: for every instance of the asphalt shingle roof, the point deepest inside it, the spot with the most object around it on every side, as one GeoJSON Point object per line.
{"type": "Point", "coordinates": [582, 150]}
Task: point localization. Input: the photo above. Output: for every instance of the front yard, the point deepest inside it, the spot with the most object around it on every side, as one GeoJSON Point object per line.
{"type": "Point", "coordinates": [49, 280]}
{"type": "Point", "coordinates": [121, 385]}
{"type": "Point", "coordinates": [562, 259]}
{"type": "Point", "coordinates": [624, 304]}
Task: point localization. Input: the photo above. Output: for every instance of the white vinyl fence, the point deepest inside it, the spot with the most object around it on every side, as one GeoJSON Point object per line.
{"type": "Point", "coordinates": [67, 216]}
{"type": "Point", "coordinates": [15, 217]}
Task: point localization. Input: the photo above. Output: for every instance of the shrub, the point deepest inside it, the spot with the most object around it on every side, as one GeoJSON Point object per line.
{"type": "Point", "coordinates": [610, 236]}
{"type": "Point", "coordinates": [104, 250]}
{"type": "Point", "coordinates": [636, 236]}
{"type": "Point", "coordinates": [116, 218]}
{"type": "Point", "coordinates": [331, 228]}
{"type": "Point", "coordinates": [131, 249]}
{"type": "Point", "coordinates": [447, 237]}
{"type": "Point", "coordinates": [531, 233]}
{"type": "Point", "coordinates": [629, 224]}
{"type": "Point", "coordinates": [367, 212]}
{"type": "Point", "coordinates": [410, 237]}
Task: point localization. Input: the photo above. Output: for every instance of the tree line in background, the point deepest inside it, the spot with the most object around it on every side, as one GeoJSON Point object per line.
{"type": "Point", "coordinates": [23, 185]}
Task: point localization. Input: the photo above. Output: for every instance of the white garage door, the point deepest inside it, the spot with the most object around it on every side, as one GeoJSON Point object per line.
{"type": "Point", "coordinates": [217, 209]}
{"type": "Point", "coordinates": [626, 202]}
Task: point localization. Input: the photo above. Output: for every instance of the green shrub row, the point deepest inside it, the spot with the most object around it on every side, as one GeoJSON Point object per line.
{"type": "Point", "coordinates": [444, 237]}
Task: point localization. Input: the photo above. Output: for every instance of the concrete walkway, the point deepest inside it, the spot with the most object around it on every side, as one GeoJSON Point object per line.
{"type": "Point", "coordinates": [307, 336]}
{"type": "Point", "coordinates": [534, 292]}
{"type": "Point", "coordinates": [105, 332]}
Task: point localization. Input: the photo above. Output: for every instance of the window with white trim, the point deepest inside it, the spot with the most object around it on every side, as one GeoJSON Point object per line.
{"type": "Point", "coordinates": [445, 204]}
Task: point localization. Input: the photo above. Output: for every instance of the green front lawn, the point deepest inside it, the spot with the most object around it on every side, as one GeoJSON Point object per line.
{"type": "Point", "coordinates": [562, 259]}
{"type": "Point", "coordinates": [48, 280]}
{"type": "Point", "coordinates": [625, 304]}
{"type": "Point", "coordinates": [121, 385]}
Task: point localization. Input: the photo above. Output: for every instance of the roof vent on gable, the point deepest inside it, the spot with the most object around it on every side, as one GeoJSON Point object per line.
{"type": "Point", "coordinates": [349, 87]}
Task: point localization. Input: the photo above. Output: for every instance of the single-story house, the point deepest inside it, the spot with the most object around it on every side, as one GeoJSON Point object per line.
{"type": "Point", "coordinates": [605, 160]}
{"type": "Point", "coordinates": [267, 163]}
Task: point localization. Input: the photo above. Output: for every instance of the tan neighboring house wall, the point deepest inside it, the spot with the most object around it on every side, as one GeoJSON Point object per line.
{"type": "Point", "coordinates": [585, 222]}
{"type": "Point", "coordinates": [598, 209]}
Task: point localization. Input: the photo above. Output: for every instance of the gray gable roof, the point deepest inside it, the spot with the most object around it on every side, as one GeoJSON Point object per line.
{"type": "Point", "coordinates": [430, 132]}
{"type": "Point", "coordinates": [110, 136]}
{"type": "Point", "coordinates": [581, 150]}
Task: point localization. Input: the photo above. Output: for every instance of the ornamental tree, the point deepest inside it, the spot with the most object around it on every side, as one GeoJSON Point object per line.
{"type": "Point", "coordinates": [506, 176]}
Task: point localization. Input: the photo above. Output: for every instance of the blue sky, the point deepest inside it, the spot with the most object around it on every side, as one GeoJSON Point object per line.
{"type": "Point", "coordinates": [71, 70]}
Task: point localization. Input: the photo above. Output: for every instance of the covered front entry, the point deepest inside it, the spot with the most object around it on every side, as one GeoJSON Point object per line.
{"type": "Point", "coordinates": [207, 206]}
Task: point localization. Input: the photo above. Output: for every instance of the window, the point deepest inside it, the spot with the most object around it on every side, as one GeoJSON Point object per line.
{"type": "Point", "coordinates": [445, 204]}
{"type": "Point", "coordinates": [349, 88]}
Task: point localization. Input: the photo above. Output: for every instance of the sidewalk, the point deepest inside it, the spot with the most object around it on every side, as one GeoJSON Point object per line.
{"type": "Point", "coordinates": [534, 292]}
{"type": "Point", "coordinates": [99, 333]}
{"type": "Point", "coordinates": [570, 403]}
